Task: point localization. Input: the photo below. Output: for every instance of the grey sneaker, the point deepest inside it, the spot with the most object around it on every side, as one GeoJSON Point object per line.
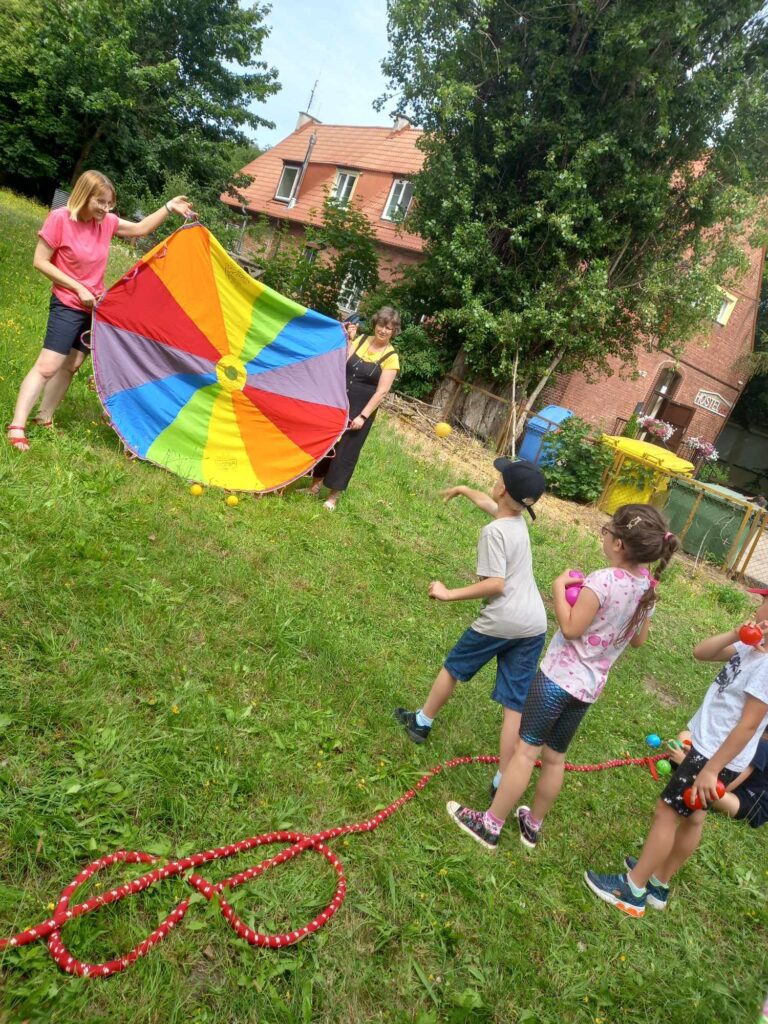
{"type": "Point", "coordinates": [417, 733]}
{"type": "Point", "coordinates": [529, 836]}
{"type": "Point", "coordinates": [656, 896]}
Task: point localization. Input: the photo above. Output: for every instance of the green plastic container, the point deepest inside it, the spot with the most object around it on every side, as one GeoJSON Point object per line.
{"type": "Point", "coordinates": [715, 525]}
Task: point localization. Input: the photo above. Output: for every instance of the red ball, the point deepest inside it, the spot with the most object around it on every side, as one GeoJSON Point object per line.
{"type": "Point", "coordinates": [696, 806]}
{"type": "Point", "coordinates": [751, 634]}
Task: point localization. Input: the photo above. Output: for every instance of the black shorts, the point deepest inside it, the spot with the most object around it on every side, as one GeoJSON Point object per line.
{"type": "Point", "coordinates": [66, 327]}
{"type": "Point", "coordinates": [753, 805]}
{"type": "Point", "coordinates": [686, 773]}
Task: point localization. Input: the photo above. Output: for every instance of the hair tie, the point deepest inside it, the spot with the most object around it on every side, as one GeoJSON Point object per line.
{"type": "Point", "coordinates": [653, 582]}
{"type": "Point", "coordinates": [668, 535]}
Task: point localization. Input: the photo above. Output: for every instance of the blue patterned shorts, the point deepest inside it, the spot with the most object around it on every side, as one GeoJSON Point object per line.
{"type": "Point", "coordinates": [551, 715]}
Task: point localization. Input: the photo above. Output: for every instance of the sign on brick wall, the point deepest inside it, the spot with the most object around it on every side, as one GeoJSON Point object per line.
{"type": "Point", "coordinates": [712, 402]}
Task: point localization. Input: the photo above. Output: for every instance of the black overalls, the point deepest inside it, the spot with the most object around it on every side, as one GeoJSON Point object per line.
{"type": "Point", "coordinates": [362, 381]}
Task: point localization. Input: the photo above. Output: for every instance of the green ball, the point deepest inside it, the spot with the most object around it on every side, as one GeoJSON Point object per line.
{"type": "Point", "coordinates": [664, 768]}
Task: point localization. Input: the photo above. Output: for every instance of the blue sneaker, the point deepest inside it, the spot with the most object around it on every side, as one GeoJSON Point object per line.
{"type": "Point", "coordinates": [472, 823]}
{"type": "Point", "coordinates": [657, 896]}
{"type": "Point", "coordinates": [614, 889]}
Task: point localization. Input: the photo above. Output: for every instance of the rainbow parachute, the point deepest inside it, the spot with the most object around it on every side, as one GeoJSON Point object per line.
{"type": "Point", "coordinates": [214, 376]}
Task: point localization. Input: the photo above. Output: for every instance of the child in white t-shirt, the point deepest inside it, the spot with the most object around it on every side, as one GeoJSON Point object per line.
{"type": "Point", "coordinates": [612, 611]}
{"type": "Point", "coordinates": [725, 732]}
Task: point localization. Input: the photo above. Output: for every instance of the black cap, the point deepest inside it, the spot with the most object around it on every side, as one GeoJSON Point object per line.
{"type": "Point", "coordinates": [523, 481]}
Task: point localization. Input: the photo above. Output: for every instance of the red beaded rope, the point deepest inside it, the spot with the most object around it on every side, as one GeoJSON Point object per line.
{"type": "Point", "coordinates": [298, 842]}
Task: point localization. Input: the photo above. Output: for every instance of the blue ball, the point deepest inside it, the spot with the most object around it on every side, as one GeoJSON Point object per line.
{"type": "Point", "coordinates": [653, 740]}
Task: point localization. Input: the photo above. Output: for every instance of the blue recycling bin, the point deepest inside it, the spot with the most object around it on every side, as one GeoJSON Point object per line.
{"type": "Point", "coordinates": [544, 422]}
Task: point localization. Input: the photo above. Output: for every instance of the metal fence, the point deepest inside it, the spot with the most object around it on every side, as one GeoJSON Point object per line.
{"type": "Point", "coordinates": [714, 525]}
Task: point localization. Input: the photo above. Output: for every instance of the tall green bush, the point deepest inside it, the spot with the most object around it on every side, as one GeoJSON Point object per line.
{"type": "Point", "coordinates": [574, 460]}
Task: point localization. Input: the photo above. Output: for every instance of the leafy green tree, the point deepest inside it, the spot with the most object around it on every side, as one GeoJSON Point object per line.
{"type": "Point", "coordinates": [340, 249]}
{"type": "Point", "coordinates": [590, 169]}
{"type": "Point", "coordinates": [138, 89]}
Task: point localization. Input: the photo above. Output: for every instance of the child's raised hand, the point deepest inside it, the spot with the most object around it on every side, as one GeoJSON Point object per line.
{"type": "Point", "coordinates": [754, 635]}
{"type": "Point", "coordinates": [562, 581]}
{"type": "Point", "coordinates": [450, 492]}
{"type": "Point", "coordinates": [438, 591]}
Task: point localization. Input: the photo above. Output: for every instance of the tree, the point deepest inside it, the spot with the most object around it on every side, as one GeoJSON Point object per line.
{"type": "Point", "coordinates": [590, 170]}
{"type": "Point", "coordinates": [339, 249]}
{"type": "Point", "coordinates": [139, 89]}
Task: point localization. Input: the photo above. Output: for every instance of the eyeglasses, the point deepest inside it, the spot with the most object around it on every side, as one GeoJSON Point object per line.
{"type": "Point", "coordinates": [102, 205]}
{"type": "Point", "coordinates": [607, 529]}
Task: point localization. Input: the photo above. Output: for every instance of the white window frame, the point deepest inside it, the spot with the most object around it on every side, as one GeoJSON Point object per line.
{"type": "Point", "coordinates": [340, 185]}
{"type": "Point", "coordinates": [292, 192]}
{"type": "Point", "coordinates": [349, 297]}
{"type": "Point", "coordinates": [392, 208]}
{"type": "Point", "coordinates": [726, 308]}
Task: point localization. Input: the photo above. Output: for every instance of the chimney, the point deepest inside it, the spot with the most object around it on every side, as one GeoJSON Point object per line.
{"type": "Point", "coordinates": [401, 121]}
{"type": "Point", "coordinates": [305, 118]}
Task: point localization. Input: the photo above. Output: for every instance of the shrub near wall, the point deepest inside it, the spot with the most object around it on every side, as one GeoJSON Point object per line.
{"type": "Point", "coordinates": [574, 460]}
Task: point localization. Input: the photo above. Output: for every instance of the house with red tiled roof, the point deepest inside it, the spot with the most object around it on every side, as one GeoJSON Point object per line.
{"type": "Point", "coordinates": [372, 166]}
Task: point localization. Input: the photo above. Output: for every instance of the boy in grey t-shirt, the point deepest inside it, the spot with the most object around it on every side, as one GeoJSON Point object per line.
{"type": "Point", "coordinates": [511, 626]}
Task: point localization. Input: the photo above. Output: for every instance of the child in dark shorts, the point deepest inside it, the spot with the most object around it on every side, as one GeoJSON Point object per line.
{"type": "Point", "coordinates": [512, 624]}
{"type": "Point", "coordinates": [746, 798]}
{"type": "Point", "coordinates": [725, 734]}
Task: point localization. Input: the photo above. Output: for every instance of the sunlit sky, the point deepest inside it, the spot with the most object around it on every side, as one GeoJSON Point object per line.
{"type": "Point", "coordinates": [339, 43]}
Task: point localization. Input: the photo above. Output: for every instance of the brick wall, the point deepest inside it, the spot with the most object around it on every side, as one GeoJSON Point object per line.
{"type": "Point", "coordinates": [708, 363]}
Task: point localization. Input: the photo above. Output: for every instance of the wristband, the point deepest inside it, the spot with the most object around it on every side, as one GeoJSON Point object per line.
{"type": "Point", "coordinates": [168, 208]}
{"type": "Point", "coordinates": [362, 416]}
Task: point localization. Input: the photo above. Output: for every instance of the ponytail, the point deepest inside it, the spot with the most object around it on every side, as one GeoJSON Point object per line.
{"type": "Point", "coordinates": [646, 537]}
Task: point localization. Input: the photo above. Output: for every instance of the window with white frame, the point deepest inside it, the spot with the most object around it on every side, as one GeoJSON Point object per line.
{"type": "Point", "coordinates": [287, 184]}
{"type": "Point", "coordinates": [399, 200]}
{"type": "Point", "coordinates": [344, 186]}
{"type": "Point", "coordinates": [726, 308]}
{"type": "Point", "coordinates": [350, 296]}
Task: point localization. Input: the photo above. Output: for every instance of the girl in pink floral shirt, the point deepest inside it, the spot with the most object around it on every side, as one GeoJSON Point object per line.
{"type": "Point", "coordinates": [613, 611]}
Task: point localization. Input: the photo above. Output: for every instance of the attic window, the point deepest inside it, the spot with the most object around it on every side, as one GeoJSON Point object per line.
{"type": "Point", "coordinates": [726, 308]}
{"type": "Point", "coordinates": [287, 184]}
{"type": "Point", "coordinates": [344, 186]}
{"type": "Point", "coordinates": [399, 200]}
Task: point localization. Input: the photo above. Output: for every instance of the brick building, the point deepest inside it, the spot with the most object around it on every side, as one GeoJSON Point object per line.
{"type": "Point", "coordinates": [373, 166]}
{"type": "Point", "coordinates": [695, 391]}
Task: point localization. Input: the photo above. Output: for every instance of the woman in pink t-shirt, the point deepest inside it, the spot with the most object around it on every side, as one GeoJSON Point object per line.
{"type": "Point", "coordinates": [612, 611]}
{"type": "Point", "coordinates": [72, 251]}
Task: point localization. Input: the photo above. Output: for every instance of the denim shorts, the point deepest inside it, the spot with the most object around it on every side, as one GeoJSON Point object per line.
{"type": "Point", "coordinates": [551, 715]}
{"type": "Point", "coordinates": [516, 661]}
{"type": "Point", "coordinates": [66, 327]}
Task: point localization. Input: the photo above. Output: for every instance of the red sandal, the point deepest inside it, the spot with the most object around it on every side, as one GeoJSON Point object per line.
{"type": "Point", "coordinates": [40, 422]}
{"type": "Point", "coordinates": [20, 443]}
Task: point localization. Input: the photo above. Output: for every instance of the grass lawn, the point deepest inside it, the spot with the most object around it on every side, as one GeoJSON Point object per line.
{"type": "Point", "coordinates": [176, 674]}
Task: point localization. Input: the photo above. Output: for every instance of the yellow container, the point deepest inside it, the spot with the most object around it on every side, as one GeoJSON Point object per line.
{"type": "Point", "coordinates": [652, 467]}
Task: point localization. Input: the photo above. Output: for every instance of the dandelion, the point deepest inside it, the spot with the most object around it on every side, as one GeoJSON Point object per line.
{"type": "Point", "coordinates": [175, 709]}
{"type": "Point", "coordinates": [51, 906]}
{"type": "Point", "coordinates": [622, 958]}
{"type": "Point", "coordinates": [443, 872]}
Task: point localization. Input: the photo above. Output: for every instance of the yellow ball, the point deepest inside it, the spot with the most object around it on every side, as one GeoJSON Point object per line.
{"type": "Point", "coordinates": [443, 429]}
{"type": "Point", "coordinates": [196, 489]}
{"type": "Point", "coordinates": [232, 500]}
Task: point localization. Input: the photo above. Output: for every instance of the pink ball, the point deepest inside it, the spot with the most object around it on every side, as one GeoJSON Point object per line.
{"type": "Point", "coordinates": [572, 593]}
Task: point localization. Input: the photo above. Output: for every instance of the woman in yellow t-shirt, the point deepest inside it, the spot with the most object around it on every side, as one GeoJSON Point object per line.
{"type": "Point", "coordinates": [372, 366]}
